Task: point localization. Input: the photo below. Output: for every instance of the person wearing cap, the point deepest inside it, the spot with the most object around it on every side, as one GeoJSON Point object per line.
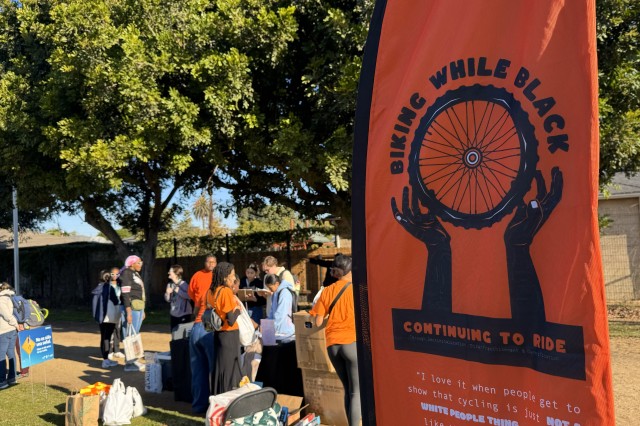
{"type": "Point", "coordinates": [133, 300]}
{"type": "Point", "coordinates": [336, 307]}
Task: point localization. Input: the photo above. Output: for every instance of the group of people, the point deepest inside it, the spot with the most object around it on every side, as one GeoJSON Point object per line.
{"type": "Point", "coordinates": [118, 308]}
{"type": "Point", "coordinates": [215, 356]}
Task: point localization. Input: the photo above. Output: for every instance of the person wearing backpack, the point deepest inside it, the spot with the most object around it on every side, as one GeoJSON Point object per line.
{"type": "Point", "coordinates": [107, 312]}
{"type": "Point", "coordinates": [9, 328]}
{"type": "Point", "coordinates": [336, 307]}
{"type": "Point", "coordinates": [282, 301]}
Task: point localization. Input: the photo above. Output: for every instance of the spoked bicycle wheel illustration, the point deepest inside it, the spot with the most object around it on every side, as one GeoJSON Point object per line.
{"type": "Point", "coordinates": [474, 156]}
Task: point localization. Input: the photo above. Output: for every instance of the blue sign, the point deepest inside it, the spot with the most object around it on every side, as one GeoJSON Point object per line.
{"type": "Point", "coordinates": [36, 345]}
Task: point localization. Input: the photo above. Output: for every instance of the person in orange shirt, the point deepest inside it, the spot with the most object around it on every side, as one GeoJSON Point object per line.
{"type": "Point", "coordinates": [335, 306]}
{"type": "Point", "coordinates": [201, 355]}
{"type": "Point", "coordinates": [226, 340]}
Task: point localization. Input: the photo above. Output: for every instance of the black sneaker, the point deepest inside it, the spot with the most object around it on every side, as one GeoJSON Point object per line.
{"type": "Point", "coordinates": [4, 385]}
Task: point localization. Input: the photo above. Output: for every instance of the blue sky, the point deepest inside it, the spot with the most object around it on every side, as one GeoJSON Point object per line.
{"type": "Point", "coordinates": [76, 223]}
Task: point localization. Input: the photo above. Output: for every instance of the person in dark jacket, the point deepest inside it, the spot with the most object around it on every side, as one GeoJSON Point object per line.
{"type": "Point", "coordinates": [177, 295]}
{"type": "Point", "coordinates": [133, 301]}
{"type": "Point", "coordinates": [107, 313]}
{"type": "Point", "coordinates": [255, 304]}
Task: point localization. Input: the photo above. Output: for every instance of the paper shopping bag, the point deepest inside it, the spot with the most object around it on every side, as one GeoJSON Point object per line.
{"type": "Point", "coordinates": [82, 410]}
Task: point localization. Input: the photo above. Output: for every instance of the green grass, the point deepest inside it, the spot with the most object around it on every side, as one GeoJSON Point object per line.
{"type": "Point", "coordinates": [157, 316]}
{"type": "Point", "coordinates": [37, 404]}
{"type": "Point", "coordinates": [624, 329]}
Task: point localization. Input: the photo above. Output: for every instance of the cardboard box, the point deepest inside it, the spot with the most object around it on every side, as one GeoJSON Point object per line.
{"type": "Point", "coordinates": [293, 403]}
{"type": "Point", "coordinates": [324, 393]}
{"type": "Point", "coordinates": [311, 345]}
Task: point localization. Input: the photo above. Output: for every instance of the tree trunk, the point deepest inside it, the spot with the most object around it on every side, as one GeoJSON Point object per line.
{"type": "Point", "coordinates": [149, 256]}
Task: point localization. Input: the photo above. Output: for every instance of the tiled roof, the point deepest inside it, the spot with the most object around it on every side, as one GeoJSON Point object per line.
{"type": "Point", "coordinates": [623, 186]}
{"type": "Point", "coordinates": [33, 239]}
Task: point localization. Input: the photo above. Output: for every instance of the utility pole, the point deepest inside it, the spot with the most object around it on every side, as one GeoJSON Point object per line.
{"type": "Point", "coordinates": [16, 249]}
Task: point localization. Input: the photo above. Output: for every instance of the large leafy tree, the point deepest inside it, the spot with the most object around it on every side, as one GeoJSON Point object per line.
{"type": "Point", "coordinates": [299, 155]}
{"type": "Point", "coordinates": [618, 35]}
{"type": "Point", "coordinates": [303, 155]}
{"type": "Point", "coordinates": [114, 107]}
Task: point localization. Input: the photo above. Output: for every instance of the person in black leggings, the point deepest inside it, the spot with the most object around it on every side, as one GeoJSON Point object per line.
{"type": "Point", "coordinates": [336, 306]}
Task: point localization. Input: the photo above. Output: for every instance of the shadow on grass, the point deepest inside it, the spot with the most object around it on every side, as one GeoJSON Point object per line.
{"type": "Point", "coordinates": [171, 418]}
{"type": "Point", "coordinates": [154, 416]}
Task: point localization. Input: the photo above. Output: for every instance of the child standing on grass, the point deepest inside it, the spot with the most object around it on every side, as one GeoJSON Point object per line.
{"type": "Point", "coordinates": [8, 333]}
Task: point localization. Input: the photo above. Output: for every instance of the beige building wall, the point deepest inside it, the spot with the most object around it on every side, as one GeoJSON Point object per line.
{"type": "Point", "coordinates": [620, 245]}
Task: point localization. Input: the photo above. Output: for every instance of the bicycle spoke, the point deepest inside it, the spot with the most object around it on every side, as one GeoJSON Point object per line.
{"type": "Point", "coordinates": [479, 189]}
{"type": "Point", "coordinates": [448, 145]}
{"type": "Point", "coordinates": [446, 154]}
{"type": "Point", "coordinates": [445, 184]}
{"type": "Point", "coordinates": [507, 135]}
{"type": "Point", "coordinates": [462, 127]}
{"type": "Point", "coordinates": [465, 189]}
{"type": "Point", "coordinates": [448, 175]}
{"type": "Point", "coordinates": [431, 174]}
{"type": "Point", "coordinates": [502, 191]}
{"type": "Point", "coordinates": [484, 114]}
{"type": "Point", "coordinates": [503, 120]}
{"type": "Point", "coordinates": [487, 182]}
{"type": "Point", "coordinates": [456, 137]}
{"type": "Point", "coordinates": [501, 172]}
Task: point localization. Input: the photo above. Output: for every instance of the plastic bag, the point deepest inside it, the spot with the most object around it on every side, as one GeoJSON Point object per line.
{"type": "Point", "coordinates": [245, 325]}
{"type": "Point", "coordinates": [118, 408]}
{"type": "Point", "coordinates": [138, 407]}
{"type": "Point", "coordinates": [218, 404]}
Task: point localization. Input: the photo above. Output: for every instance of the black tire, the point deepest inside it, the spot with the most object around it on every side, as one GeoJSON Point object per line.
{"type": "Point", "coordinates": [474, 156]}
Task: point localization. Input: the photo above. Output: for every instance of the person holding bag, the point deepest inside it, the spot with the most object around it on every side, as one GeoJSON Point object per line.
{"type": "Point", "coordinates": [336, 307]}
{"type": "Point", "coordinates": [133, 300]}
{"type": "Point", "coordinates": [227, 339]}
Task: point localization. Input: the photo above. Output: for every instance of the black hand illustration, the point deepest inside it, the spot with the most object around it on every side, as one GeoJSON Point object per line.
{"type": "Point", "coordinates": [527, 302]}
{"type": "Point", "coordinates": [529, 218]}
{"type": "Point", "coordinates": [428, 229]}
{"type": "Point", "coordinates": [424, 226]}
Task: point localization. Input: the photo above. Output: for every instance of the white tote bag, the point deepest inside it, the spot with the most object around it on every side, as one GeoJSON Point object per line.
{"type": "Point", "coordinates": [118, 408]}
{"type": "Point", "coordinates": [138, 407]}
{"type": "Point", "coordinates": [132, 344]}
{"type": "Point", "coordinates": [245, 325]}
{"type": "Point", "coordinates": [153, 377]}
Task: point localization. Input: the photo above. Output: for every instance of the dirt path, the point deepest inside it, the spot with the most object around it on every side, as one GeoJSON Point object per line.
{"type": "Point", "coordinates": [77, 363]}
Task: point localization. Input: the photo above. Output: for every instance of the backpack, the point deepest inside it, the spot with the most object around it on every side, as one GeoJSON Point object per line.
{"type": "Point", "coordinates": [21, 308]}
{"type": "Point", "coordinates": [96, 301]}
{"type": "Point", "coordinates": [294, 295]}
{"type": "Point", "coordinates": [294, 301]}
{"type": "Point", "coordinates": [37, 315]}
{"type": "Point", "coordinates": [27, 311]}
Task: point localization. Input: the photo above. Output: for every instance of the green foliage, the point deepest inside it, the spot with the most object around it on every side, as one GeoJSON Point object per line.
{"type": "Point", "coordinates": [266, 219]}
{"type": "Point", "coordinates": [618, 40]}
{"type": "Point", "coordinates": [192, 240]}
{"type": "Point", "coordinates": [604, 222]}
{"type": "Point", "coordinates": [112, 107]}
{"type": "Point", "coordinates": [299, 154]}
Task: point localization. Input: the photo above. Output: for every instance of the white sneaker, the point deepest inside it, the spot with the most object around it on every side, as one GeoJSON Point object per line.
{"type": "Point", "coordinates": [107, 363]}
{"type": "Point", "coordinates": [118, 355]}
{"type": "Point", "coordinates": [133, 367]}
